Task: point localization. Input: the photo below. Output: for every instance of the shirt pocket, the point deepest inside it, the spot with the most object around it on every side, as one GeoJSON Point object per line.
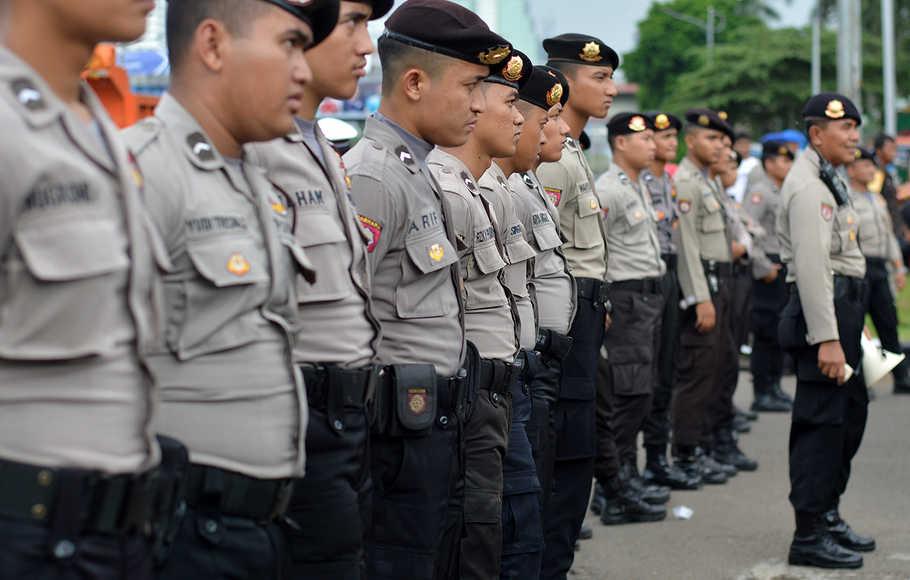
{"type": "Point", "coordinates": [844, 232]}
{"type": "Point", "coordinates": [483, 288]}
{"type": "Point", "coordinates": [586, 233]}
{"type": "Point", "coordinates": [425, 274]}
{"type": "Point", "coordinates": [713, 219]}
{"type": "Point", "coordinates": [634, 223]}
{"type": "Point", "coordinates": [544, 230]}
{"type": "Point", "coordinates": [326, 245]}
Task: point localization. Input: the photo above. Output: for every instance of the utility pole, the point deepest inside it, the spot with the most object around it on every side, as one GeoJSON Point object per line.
{"type": "Point", "coordinates": [710, 25]}
{"type": "Point", "coordinates": [817, 49]}
{"type": "Point", "coordinates": [889, 81]}
{"type": "Point", "coordinates": [849, 39]}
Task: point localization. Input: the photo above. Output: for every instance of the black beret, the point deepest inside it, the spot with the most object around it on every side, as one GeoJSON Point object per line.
{"type": "Point", "coordinates": [863, 153]}
{"type": "Point", "coordinates": [447, 28]}
{"type": "Point", "coordinates": [584, 141]}
{"type": "Point", "coordinates": [563, 81]}
{"type": "Point", "coordinates": [775, 148]}
{"type": "Point", "coordinates": [544, 89]}
{"type": "Point", "coordinates": [628, 123]}
{"type": "Point", "coordinates": [380, 7]}
{"type": "Point", "coordinates": [321, 15]}
{"type": "Point", "coordinates": [513, 72]}
{"type": "Point", "coordinates": [663, 121]}
{"type": "Point", "coordinates": [831, 106]}
{"type": "Point", "coordinates": [581, 49]}
{"type": "Point", "coordinates": [707, 119]}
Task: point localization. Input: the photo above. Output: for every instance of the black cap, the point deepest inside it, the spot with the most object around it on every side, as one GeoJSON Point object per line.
{"type": "Point", "coordinates": [707, 119]}
{"type": "Point", "coordinates": [831, 106]}
{"type": "Point", "coordinates": [514, 72]}
{"type": "Point", "coordinates": [627, 124]}
{"type": "Point", "coordinates": [321, 15]}
{"type": "Point", "coordinates": [559, 76]}
{"type": "Point", "coordinates": [544, 89]}
{"type": "Point", "coordinates": [663, 121]}
{"type": "Point", "coordinates": [447, 28]}
{"type": "Point", "coordinates": [775, 148]}
{"type": "Point", "coordinates": [580, 49]}
{"type": "Point", "coordinates": [380, 7]}
{"type": "Point", "coordinates": [863, 153]}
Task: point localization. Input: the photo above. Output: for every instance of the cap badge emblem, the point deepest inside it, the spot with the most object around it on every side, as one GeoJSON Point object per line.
{"type": "Point", "coordinates": [494, 55]}
{"type": "Point", "coordinates": [703, 120]}
{"type": "Point", "coordinates": [512, 71]}
{"type": "Point", "coordinates": [835, 109]}
{"type": "Point", "coordinates": [554, 95]}
{"type": "Point", "coordinates": [590, 52]}
{"type": "Point", "coordinates": [783, 151]}
{"type": "Point", "coordinates": [637, 124]}
{"type": "Point", "coordinates": [722, 115]}
{"type": "Point", "coordinates": [662, 121]}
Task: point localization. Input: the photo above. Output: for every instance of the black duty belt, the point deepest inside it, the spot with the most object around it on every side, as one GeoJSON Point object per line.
{"type": "Point", "coordinates": [740, 269]}
{"type": "Point", "coordinates": [496, 375]}
{"type": "Point", "coordinates": [642, 286]}
{"type": "Point", "coordinates": [720, 269]}
{"type": "Point", "coordinates": [332, 385]}
{"type": "Point", "coordinates": [849, 286]}
{"type": "Point", "coordinates": [235, 494]}
{"type": "Point", "coordinates": [592, 289]}
{"type": "Point", "coordinates": [670, 260]}
{"type": "Point", "coordinates": [103, 504]}
{"type": "Point", "coordinates": [876, 262]}
{"type": "Point", "coordinates": [448, 388]}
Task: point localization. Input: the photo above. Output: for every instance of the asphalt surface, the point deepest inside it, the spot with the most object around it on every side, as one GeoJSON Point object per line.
{"type": "Point", "coordinates": [742, 530]}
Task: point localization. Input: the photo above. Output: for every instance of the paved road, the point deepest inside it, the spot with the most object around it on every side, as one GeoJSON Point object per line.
{"type": "Point", "coordinates": [741, 531]}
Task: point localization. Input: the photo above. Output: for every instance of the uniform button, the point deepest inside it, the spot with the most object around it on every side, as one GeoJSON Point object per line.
{"type": "Point", "coordinates": [64, 549]}
{"type": "Point", "coordinates": [44, 478]}
{"type": "Point", "coordinates": [495, 397]}
{"type": "Point", "coordinates": [339, 426]}
{"type": "Point", "coordinates": [39, 511]}
{"type": "Point", "coordinates": [443, 420]}
{"type": "Point", "coordinates": [211, 526]}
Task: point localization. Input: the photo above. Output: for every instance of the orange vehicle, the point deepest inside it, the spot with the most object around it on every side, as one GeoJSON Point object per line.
{"type": "Point", "coordinates": [112, 85]}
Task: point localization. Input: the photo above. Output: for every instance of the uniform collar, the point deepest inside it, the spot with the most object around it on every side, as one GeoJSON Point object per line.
{"type": "Point", "coordinates": [415, 148]}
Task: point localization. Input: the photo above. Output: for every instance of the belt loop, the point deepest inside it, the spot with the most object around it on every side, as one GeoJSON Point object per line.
{"type": "Point", "coordinates": [334, 398]}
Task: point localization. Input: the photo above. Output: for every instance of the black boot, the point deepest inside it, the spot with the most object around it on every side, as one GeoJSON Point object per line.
{"type": "Point", "coordinates": [653, 494]}
{"type": "Point", "coordinates": [901, 375]}
{"type": "Point", "coordinates": [778, 393]}
{"type": "Point", "coordinates": [741, 424]}
{"type": "Point", "coordinates": [750, 415]}
{"type": "Point", "coordinates": [658, 470]}
{"type": "Point", "coordinates": [597, 502]}
{"type": "Point", "coordinates": [586, 532]}
{"type": "Point", "coordinates": [687, 462]}
{"type": "Point", "coordinates": [713, 472]}
{"type": "Point", "coordinates": [813, 545]}
{"type": "Point", "coordinates": [624, 506]}
{"type": "Point", "coordinates": [844, 535]}
{"type": "Point", "coordinates": [727, 451]}
{"type": "Point", "coordinates": [768, 403]}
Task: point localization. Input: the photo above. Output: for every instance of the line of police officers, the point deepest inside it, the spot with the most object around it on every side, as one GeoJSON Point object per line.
{"type": "Point", "coordinates": [394, 365]}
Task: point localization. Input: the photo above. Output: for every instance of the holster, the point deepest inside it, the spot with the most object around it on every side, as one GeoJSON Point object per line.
{"type": "Point", "coordinates": [168, 503]}
{"type": "Point", "coordinates": [406, 401]}
{"type": "Point", "coordinates": [553, 345]}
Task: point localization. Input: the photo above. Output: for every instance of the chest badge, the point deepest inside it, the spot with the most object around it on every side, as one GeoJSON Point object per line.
{"type": "Point", "coordinates": [238, 265]}
{"type": "Point", "coordinates": [593, 204]}
{"type": "Point", "coordinates": [437, 253]}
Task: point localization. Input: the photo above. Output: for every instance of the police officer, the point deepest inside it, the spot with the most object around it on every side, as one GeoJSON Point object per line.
{"type": "Point", "coordinates": [879, 246]}
{"type": "Point", "coordinates": [588, 64]}
{"type": "Point", "coordinates": [769, 290]}
{"type": "Point", "coordinates": [662, 192]}
{"type": "Point", "coordinates": [78, 269]}
{"type": "Point", "coordinates": [491, 321]}
{"type": "Point", "coordinates": [553, 286]}
{"type": "Point", "coordinates": [228, 387]}
{"type": "Point", "coordinates": [821, 326]}
{"type": "Point", "coordinates": [434, 56]}
{"type": "Point", "coordinates": [634, 273]}
{"type": "Point", "coordinates": [704, 278]}
{"type": "Point", "coordinates": [337, 338]}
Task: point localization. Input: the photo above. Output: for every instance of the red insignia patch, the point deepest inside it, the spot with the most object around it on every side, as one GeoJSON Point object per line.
{"type": "Point", "coordinates": [827, 212]}
{"type": "Point", "coordinates": [372, 228]}
{"type": "Point", "coordinates": [555, 195]}
{"type": "Point", "coordinates": [685, 206]}
{"type": "Point", "coordinates": [417, 401]}
{"type": "Point", "coordinates": [756, 198]}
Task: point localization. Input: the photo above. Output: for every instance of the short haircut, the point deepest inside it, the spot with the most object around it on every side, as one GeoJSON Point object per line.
{"type": "Point", "coordinates": [185, 16]}
{"type": "Point", "coordinates": [567, 68]}
{"type": "Point", "coordinates": [742, 135]}
{"type": "Point", "coordinates": [396, 57]}
{"type": "Point", "coordinates": [882, 139]}
{"type": "Point", "coordinates": [820, 122]}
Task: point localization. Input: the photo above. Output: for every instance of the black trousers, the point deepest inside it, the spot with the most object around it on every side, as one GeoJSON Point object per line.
{"type": "Point", "coordinates": [721, 410]}
{"type": "Point", "coordinates": [543, 370]}
{"type": "Point", "coordinates": [26, 553]}
{"type": "Point", "coordinates": [767, 360]}
{"type": "Point", "coordinates": [329, 508]}
{"type": "Point", "coordinates": [656, 428]}
{"type": "Point", "coordinates": [700, 368]}
{"type": "Point", "coordinates": [828, 420]}
{"type": "Point", "coordinates": [576, 447]}
{"type": "Point", "coordinates": [627, 374]}
{"type": "Point", "coordinates": [879, 303]}
{"type": "Point", "coordinates": [212, 546]}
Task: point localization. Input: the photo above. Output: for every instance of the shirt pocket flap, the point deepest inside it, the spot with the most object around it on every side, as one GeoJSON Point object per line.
{"type": "Point", "coordinates": [711, 204]}
{"type": "Point", "coordinates": [588, 205]}
{"type": "Point", "coordinates": [545, 233]}
{"type": "Point", "coordinates": [228, 261]}
{"type": "Point", "coordinates": [317, 228]}
{"type": "Point", "coordinates": [519, 250]}
{"type": "Point", "coordinates": [71, 250]}
{"type": "Point", "coordinates": [488, 258]}
{"type": "Point", "coordinates": [634, 216]}
{"type": "Point", "coordinates": [431, 251]}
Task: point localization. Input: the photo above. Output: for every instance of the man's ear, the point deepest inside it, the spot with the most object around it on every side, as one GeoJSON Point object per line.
{"type": "Point", "coordinates": [414, 82]}
{"type": "Point", "coordinates": [210, 43]}
{"type": "Point", "coordinates": [815, 135]}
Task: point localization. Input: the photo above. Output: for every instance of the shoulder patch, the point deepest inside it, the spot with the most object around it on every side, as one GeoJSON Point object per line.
{"type": "Point", "coordinates": [827, 212]}
{"type": "Point", "coordinates": [554, 194]}
{"type": "Point", "coordinates": [373, 230]}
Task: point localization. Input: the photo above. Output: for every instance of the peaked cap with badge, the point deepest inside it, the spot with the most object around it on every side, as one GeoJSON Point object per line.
{"type": "Point", "coordinates": [449, 29]}
{"type": "Point", "coordinates": [628, 123]}
{"type": "Point", "coordinates": [832, 106]}
{"type": "Point", "coordinates": [545, 88]}
{"type": "Point", "coordinates": [707, 119]}
{"type": "Point", "coordinates": [664, 121]}
{"type": "Point", "coordinates": [775, 148]}
{"type": "Point", "coordinates": [514, 71]}
{"type": "Point", "coordinates": [580, 49]}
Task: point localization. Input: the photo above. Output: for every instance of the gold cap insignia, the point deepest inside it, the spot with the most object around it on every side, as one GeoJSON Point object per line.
{"type": "Point", "coordinates": [637, 124]}
{"type": "Point", "coordinates": [494, 55]}
{"type": "Point", "coordinates": [512, 70]}
{"type": "Point", "coordinates": [437, 253]}
{"type": "Point", "coordinates": [835, 109]}
{"type": "Point", "coordinates": [238, 265]}
{"type": "Point", "coordinates": [554, 95]}
{"type": "Point", "coordinates": [590, 52]}
{"type": "Point", "coordinates": [722, 115]}
{"type": "Point", "coordinates": [662, 121]}
{"type": "Point", "coordinates": [859, 153]}
{"type": "Point", "coordinates": [703, 120]}
{"type": "Point", "coordinates": [783, 151]}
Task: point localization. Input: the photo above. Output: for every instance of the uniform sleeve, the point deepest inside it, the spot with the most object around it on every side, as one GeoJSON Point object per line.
{"type": "Point", "coordinates": [607, 196]}
{"type": "Point", "coordinates": [810, 239]}
{"type": "Point", "coordinates": [164, 199]}
{"type": "Point", "coordinates": [761, 264]}
{"type": "Point", "coordinates": [691, 273]}
{"type": "Point", "coordinates": [894, 248]}
{"type": "Point", "coordinates": [378, 212]}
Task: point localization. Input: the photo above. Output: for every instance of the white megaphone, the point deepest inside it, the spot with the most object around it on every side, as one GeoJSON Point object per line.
{"type": "Point", "coordinates": [877, 362]}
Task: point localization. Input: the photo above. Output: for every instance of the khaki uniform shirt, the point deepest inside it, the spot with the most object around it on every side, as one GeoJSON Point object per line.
{"type": "Point", "coordinates": [663, 200]}
{"type": "Point", "coordinates": [416, 283]}
{"type": "Point", "coordinates": [818, 240]}
{"type": "Point", "coordinates": [762, 203]}
{"type": "Point", "coordinates": [490, 318]}
{"type": "Point", "coordinates": [702, 230]}
{"type": "Point", "coordinates": [553, 286]}
{"type": "Point", "coordinates": [336, 325]}
{"type": "Point", "coordinates": [631, 228]}
{"type": "Point", "coordinates": [229, 389]}
{"type": "Point", "coordinates": [876, 235]}
{"type": "Point", "coordinates": [78, 274]}
{"type": "Point", "coordinates": [570, 185]}
{"type": "Point", "coordinates": [518, 253]}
